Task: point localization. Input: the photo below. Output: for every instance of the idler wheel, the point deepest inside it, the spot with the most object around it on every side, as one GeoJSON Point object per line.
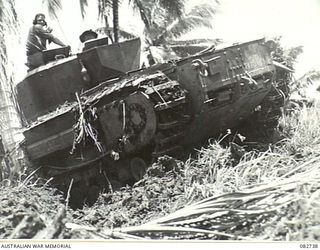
{"type": "Point", "coordinates": [138, 168]}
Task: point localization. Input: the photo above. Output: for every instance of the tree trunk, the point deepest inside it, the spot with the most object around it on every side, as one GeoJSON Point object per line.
{"type": "Point", "coordinates": [115, 10]}
{"type": "Point", "coordinates": [10, 122]}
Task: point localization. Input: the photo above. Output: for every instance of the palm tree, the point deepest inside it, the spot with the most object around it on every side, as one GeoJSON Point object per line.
{"type": "Point", "coordinates": [115, 12]}
{"type": "Point", "coordinates": [9, 25]}
{"type": "Point", "coordinates": [10, 123]}
{"type": "Point", "coordinates": [104, 7]}
{"type": "Point", "coordinates": [147, 9]}
{"type": "Point", "coordinates": [166, 20]}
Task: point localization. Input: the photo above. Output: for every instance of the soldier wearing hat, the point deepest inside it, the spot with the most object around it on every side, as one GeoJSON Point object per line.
{"type": "Point", "coordinates": [88, 35]}
{"type": "Point", "coordinates": [38, 36]}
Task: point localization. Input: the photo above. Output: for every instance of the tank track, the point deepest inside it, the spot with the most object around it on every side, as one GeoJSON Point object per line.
{"type": "Point", "coordinates": [271, 109]}
{"type": "Point", "coordinates": [170, 106]}
{"type": "Point", "coordinates": [260, 128]}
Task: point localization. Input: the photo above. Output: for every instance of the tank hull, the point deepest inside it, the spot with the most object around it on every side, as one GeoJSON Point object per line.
{"type": "Point", "coordinates": [125, 117]}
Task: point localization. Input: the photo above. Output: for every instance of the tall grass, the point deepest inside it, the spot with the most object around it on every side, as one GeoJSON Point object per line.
{"type": "Point", "coordinates": [264, 195]}
{"type": "Point", "coordinates": [302, 133]}
{"type": "Point", "coordinates": [270, 195]}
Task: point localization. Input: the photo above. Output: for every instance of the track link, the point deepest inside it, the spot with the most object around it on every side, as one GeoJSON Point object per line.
{"type": "Point", "coordinates": [271, 108]}
{"type": "Point", "coordinates": [170, 106]}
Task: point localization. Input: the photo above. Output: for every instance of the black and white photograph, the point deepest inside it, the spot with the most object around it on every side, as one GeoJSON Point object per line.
{"type": "Point", "coordinates": [159, 123]}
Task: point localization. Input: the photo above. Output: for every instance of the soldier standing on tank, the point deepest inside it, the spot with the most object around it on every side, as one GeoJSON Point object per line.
{"type": "Point", "coordinates": [38, 36]}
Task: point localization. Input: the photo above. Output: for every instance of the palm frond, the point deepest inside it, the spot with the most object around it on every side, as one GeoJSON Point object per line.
{"type": "Point", "coordinates": [4, 59]}
{"type": "Point", "coordinates": [143, 11]}
{"type": "Point", "coordinates": [187, 24]}
{"type": "Point", "coordinates": [199, 16]}
{"type": "Point", "coordinates": [109, 31]}
{"type": "Point", "coordinates": [182, 26]}
{"type": "Point", "coordinates": [8, 25]}
{"type": "Point", "coordinates": [175, 8]}
{"type": "Point", "coordinates": [194, 42]}
{"type": "Point", "coordinates": [232, 215]}
{"type": "Point", "coordinates": [8, 11]}
{"type": "Point", "coordinates": [83, 4]}
{"type": "Point", "coordinates": [53, 6]}
{"type": "Point", "coordinates": [101, 8]}
{"type": "Point", "coordinates": [166, 26]}
{"type": "Point", "coordinates": [203, 10]}
{"type": "Point", "coordinates": [8, 16]}
{"type": "Point", "coordinates": [104, 8]}
{"type": "Point", "coordinates": [240, 215]}
{"type": "Point", "coordinates": [9, 37]}
{"type": "Point", "coordinates": [1, 10]}
{"type": "Point", "coordinates": [13, 11]}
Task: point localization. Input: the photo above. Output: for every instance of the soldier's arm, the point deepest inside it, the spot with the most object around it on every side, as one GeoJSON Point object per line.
{"type": "Point", "coordinates": [57, 41]}
{"type": "Point", "coordinates": [46, 33]}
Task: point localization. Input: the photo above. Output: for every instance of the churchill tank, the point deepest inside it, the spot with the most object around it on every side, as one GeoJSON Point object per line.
{"type": "Point", "coordinates": [97, 120]}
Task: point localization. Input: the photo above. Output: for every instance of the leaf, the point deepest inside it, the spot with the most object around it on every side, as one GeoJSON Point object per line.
{"type": "Point", "coordinates": [175, 8]}
{"type": "Point", "coordinates": [53, 7]}
{"type": "Point", "coordinates": [83, 4]}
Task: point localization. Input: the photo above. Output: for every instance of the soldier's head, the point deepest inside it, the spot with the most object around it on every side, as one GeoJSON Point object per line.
{"type": "Point", "coordinates": [40, 19]}
{"type": "Point", "coordinates": [88, 35]}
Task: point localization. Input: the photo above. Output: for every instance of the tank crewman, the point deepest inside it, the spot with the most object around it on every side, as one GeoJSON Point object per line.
{"type": "Point", "coordinates": [38, 36]}
{"type": "Point", "coordinates": [86, 36]}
